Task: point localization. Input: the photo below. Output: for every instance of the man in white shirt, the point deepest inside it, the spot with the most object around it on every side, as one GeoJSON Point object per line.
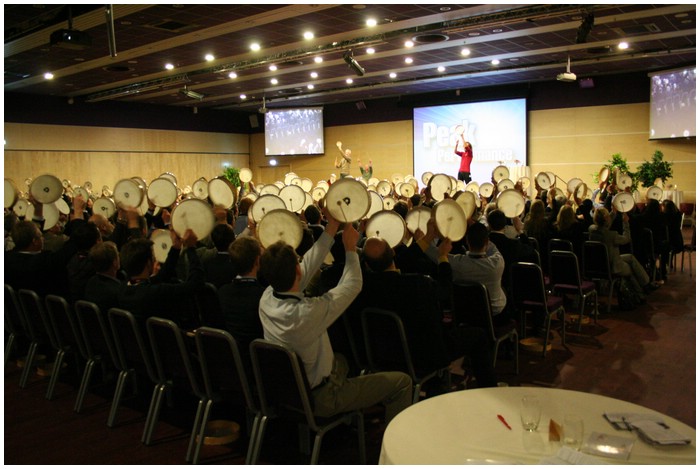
{"type": "Point", "coordinates": [301, 323]}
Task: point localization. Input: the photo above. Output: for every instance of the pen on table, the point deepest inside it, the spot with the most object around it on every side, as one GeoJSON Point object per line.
{"type": "Point", "coordinates": [500, 417]}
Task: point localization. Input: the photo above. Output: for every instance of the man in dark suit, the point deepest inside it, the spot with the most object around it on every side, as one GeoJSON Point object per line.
{"type": "Point", "coordinates": [218, 268]}
{"type": "Point", "coordinates": [512, 250]}
{"type": "Point", "coordinates": [104, 288]}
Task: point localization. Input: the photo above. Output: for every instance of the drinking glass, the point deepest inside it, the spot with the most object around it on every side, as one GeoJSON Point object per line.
{"type": "Point", "coordinates": [530, 411]}
{"type": "Point", "coordinates": [573, 431]}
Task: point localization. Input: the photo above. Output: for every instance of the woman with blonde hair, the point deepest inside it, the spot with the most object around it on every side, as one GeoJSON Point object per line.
{"type": "Point", "coordinates": [570, 228]}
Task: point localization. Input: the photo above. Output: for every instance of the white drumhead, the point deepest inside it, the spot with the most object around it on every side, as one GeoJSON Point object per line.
{"type": "Point", "coordinates": [505, 184]}
{"type": "Point", "coordinates": [251, 195]}
{"type": "Point", "coordinates": [467, 200]}
{"type": "Point", "coordinates": [623, 201]}
{"type": "Point", "coordinates": [82, 191]}
{"type": "Point", "coordinates": [637, 196]}
{"type": "Point", "coordinates": [222, 192]}
{"type": "Point", "coordinates": [288, 178]}
{"type": "Point", "coordinates": [279, 184]}
{"type": "Point", "coordinates": [453, 185]}
{"type": "Point", "coordinates": [473, 186]}
{"type": "Point", "coordinates": [397, 178]}
{"type": "Point", "coordinates": [524, 182]}
{"type": "Point", "coordinates": [293, 196]}
{"type": "Point", "coordinates": [439, 185]}
{"type": "Point", "coordinates": [280, 225]}
{"type": "Point", "coordinates": [62, 206]}
{"type": "Point", "coordinates": [317, 193]}
{"type": "Point", "coordinates": [162, 192]}
{"type": "Point", "coordinates": [450, 219]}
{"type": "Point", "coordinates": [46, 189]}
{"type": "Point", "coordinates": [20, 207]}
{"type": "Point", "coordinates": [384, 188]}
{"type": "Point", "coordinates": [166, 175]}
{"type": "Point", "coordinates": [373, 181]}
{"type": "Point", "coordinates": [552, 177]}
{"type": "Point", "coordinates": [347, 200]}
{"type": "Point", "coordinates": [376, 203]}
{"type": "Point", "coordinates": [417, 219]}
{"type": "Point", "coordinates": [581, 191]}
{"type": "Point", "coordinates": [200, 188]}
{"type": "Point", "coordinates": [323, 184]}
{"type": "Point", "coordinates": [573, 184]}
{"type": "Point", "coordinates": [406, 189]}
{"type": "Point", "coordinates": [128, 193]}
{"type": "Point", "coordinates": [426, 177]}
{"type": "Point", "coordinates": [558, 192]}
{"type": "Point", "coordinates": [296, 182]}
{"type": "Point", "coordinates": [500, 172]}
{"type": "Point", "coordinates": [307, 184]}
{"type": "Point", "coordinates": [245, 175]}
{"type": "Point", "coordinates": [88, 186]}
{"type": "Point", "coordinates": [10, 193]}
{"type": "Point", "coordinates": [162, 242]}
{"type": "Point", "coordinates": [265, 204]}
{"type": "Point", "coordinates": [270, 189]}
{"type": "Point", "coordinates": [104, 206]}
{"type": "Point", "coordinates": [387, 225]}
{"type": "Point", "coordinates": [511, 203]}
{"type": "Point", "coordinates": [543, 180]}
{"type": "Point", "coordinates": [193, 214]}
{"type": "Point", "coordinates": [486, 190]}
{"type": "Point", "coordinates": [624, 181]}
{"type": "Point", "coordinates": [603, 174]}
{"type": "Point", "coordinates": [50, 213]}
{"type": "Point", "coordinates": [388, 202]}
{"type": "Point", "coordinates": [655, 192]}
{"type": "Point", "coordinates": [308, 200]}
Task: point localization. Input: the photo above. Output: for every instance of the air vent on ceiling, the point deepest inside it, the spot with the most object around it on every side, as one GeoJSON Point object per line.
{"type": "Point", "coordinates": [635, 29]}
{"type": "Point", "coordinates": [429, 38]}
{"type": "Point", "coordinates": [172, 26]}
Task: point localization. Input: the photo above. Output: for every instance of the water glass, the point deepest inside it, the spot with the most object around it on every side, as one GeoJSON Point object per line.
{"type": "Point", "coordinates": [573, 431]}
{"type": "Point", "coordinates": [530, 411]}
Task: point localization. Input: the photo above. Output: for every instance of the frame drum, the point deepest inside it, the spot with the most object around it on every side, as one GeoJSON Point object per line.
{"type": "Point", "coordinates": [373, 181]}
{"type": "Point", "coordinates": [295, 182]}
{"type": "Point", "coordinates": [603, 174]}
{"type": "Point", "coordinates": [406, 189]}
{"type": "Point", "coordinates": [245, 175]}
{"type": "Point", "coordinates": [162, 242]}
{"type": "Point", "coordinates": [426, 177]}
{"type": "Point", "coordinates": [222, 192]}
{"type": "Point", "coordinates": [581, 191]}
{"type": "Point", "coordinates": [524, 182]}
{"type": "Point", "coordinates": [417, 219]}
{"type": "Point", "coordinates": [104, 206]}
{"type": "Point", "coordinates": [128, 193]}
{"type": "Point", "coordinates": [307, 184]}
{"type": "Point", "coordinates": [450, 219]}
{"type": "Point", "coordinates": [376, 203]}
{"type": "Point", "coordinates": [384, 188]}
{"type": "Point", "coordinates": [88, 186]}
{"type": "Point", "coordinates": [162, 192]}
{"type": "Point", "coordinates": [106, 191]}
{"type": "Point", "coordinates": [200, 188]}
{"type": "Point", "coordinates": [500, 172]}
{"type": "Point", "coordinates": [439, 185]}
{"type": "Point", "coordinates": [317, 193]}
{"type": "Point", "coordinates": [388, 225]}
{"type": "Point", "coordinates": [193, 214]}
{"type": "Point", "coordinates": [270, 189]}
{"type": "Point", "coordinates": [62, 206]}
{"type": "Point", "coordinates": [573, 184]}
{"type": "Point", "coordinates": [558, 192]}
{"type": "Point", "coordinates": [388, 203]}
{"type": "Point", "coordinates": [543, 180]}
{"type": "Point", "coordinates": [467, 200]}
{"type": "Point", "coordinates": [473, 186]}
{"type": "Point", "coordinates": [10, 193]}
{"type": "Point", "coordinates": [347, 200]}
{"type": "Point", "coordinates": [655, 192]}
{"type": "Point", "coordinates": [623, 201]}
{"type": "Point", "coordinates": [265, 204]}
{"type": "Point", "coordinates": [511, 203]}
{"type": "Point", "coordinates": [505, 184]}
{"type": "Point", "coordinates": [294, 197]}
{"type": "Point", "coordinates": [166, 175]}
{"type": "Point", "coordinates": [288, 178]}
{"type": "Point", "coordinates": [486, 190]}
{"type": "Point", "coordinates": [46, 189]}
{"type": "Point", "coordinates": [397, 178]}
{"type": "Point", "coordinates": [50, 213]}
{"type": "Point", "coordinates": [624, 181]}
{"type": "Point", "coordinates": [280, 225]}
{"type": "Point", "coordinates": [21, 207]}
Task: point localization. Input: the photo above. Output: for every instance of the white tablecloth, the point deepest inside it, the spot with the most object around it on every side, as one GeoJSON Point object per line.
{"type": "Point", "coordinates": [463, 427]}
{"type": "Point", "coordinates": [675, 196]}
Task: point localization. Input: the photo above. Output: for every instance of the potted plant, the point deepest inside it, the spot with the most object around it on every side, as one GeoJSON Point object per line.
{"type": "Point", "coordinates": [649, 171]}
{"type": "Point", "coordinates": [232, 174]}
{"type": "Point", "coordinates": [618, 163]}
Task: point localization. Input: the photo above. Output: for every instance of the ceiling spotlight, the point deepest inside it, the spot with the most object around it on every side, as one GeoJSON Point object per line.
{"type": "Point", "coordinates": [441, 69]}
{"type": "Point", "coordinates": [169, 66]}
{"type": "Point", "coordinates": [623, 45]}
{"type": "Point", "coordinates": [273, 68]}
{"type": "Point", "coordinates": [308, 35]}
{"type": "Point", "coordinates": [392, 75]}
{"type": "Point", "coordinates": [48, 76]}
{"type": "Point", "coordinates": [191, 94]}
{"type": "Point", "coordinates": [465, 52]}
{"type": "Point", "coordinates": [495, 62]}
{"type": "Point", "coordinates": [209, 57]}
{"type": "Point", "coordinates": [313, 75]}
{"type": "Point", "coordinates": [371, 22]}
{"type": "Point", "coordinates": [232, 75]}
{"type": "Point", "coordinates": [352, 63]}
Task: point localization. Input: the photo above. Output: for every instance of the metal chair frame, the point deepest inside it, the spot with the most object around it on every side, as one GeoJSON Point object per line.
{"type": "Point", "coordinates": [38, 327]}
{"type": "Point", "coordinates": [565, 279]}
{"type": "Point", "coordinates": [596, 267]}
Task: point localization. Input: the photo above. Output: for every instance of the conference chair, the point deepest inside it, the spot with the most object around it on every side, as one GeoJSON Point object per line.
{"type": "Point", "coordinates": [596, 267]}
{"type": "Point", "coordinates": [565, 279]}
{"type": "Point", "coordinates": [14, 321]}
{"type": "Point", "coordinates": [68, 338]}
{"type": "Point", "coordinates": [38, 327]}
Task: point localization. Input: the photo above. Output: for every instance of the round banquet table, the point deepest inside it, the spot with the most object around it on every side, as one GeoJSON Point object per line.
{"type": "Point", "coordinates": [463, 428]}
{"type": "Point", "coordinates": [675, 195]}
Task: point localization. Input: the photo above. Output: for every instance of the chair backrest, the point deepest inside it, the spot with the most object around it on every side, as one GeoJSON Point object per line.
{"type": "Point", "coordinates": [281, 380]}
{"type": "Point", "coordinates": [221, 365]}
{"type": "Point", "coordinates": [386, 343]}
{"type": "Point", "coordinates": [130, 344]}
{"type": "Point", "coordinates": [527, 283]}
{"type": "Point", "coordinates": [564, 269]}
{"type": "Point", "coordinates": [648, 242]}
{"type": "Point", "coordinates": [210, 313]}
{"type": "Point", "coordinates": [472, 306]}
{"type": "Point", "coordinates": [14, 316]}
{"type": "Point", "coordinates": [596, 261]}
{"type": "Point", "coordinates": [558, 244]}
{"type": "Point", "coordinates": [96, 333]}
{"type": "Point", "coordinates": [65, 324]}
{"type": "Point", "coordinates": [38, 325]}
{"type": "Point", "coordinates": [170, 355]}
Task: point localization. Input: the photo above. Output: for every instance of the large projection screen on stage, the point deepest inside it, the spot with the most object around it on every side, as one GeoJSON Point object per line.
{"type": "Point", "coordinates": [497, 131]}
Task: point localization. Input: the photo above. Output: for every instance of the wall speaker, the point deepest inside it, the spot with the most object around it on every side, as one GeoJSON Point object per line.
{"type": "Point", "coordinates": [361, 106]}
{"type": "Point", "coordinates": [254, 121]}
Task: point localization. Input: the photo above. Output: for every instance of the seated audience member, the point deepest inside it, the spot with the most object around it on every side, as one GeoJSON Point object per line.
{"type": "Point", "coordinates": [105, 227]}
{"type": "Point", "coordinates": [673, 218]}
{"type": "Point", "coordinates": [149, 295]}
{"type": "Point", "coordinates": [512, 250]}
{"type": "Point", "coordinates": [653, 219]}
{"type": "Point", "coordinates": [569, 228]}
{"type": "Point", "coordinates": [241, 222]}
{"type": "Point", "coordinates": [584, 212]}
{"type": "Point", "coordinates": [312, 215]}
{"type": "Point", "coordinates": [79, 268]}
{"type": "Point", "coordinates": [301, 323]}
{"type": "Point", "coordinates": [105, 287]}
{"type": "Point", "coordinates": [536, 226]}
{"type": "Point", "coordinates": [219, 269]}
{"type": "Point", "coordinates": [625, 265]}
{"type": "Point", "coordinates": [415, 299]}
{"type": "Point", "coordinates": [11, 220]}
{"type": "Point", "coordinates": [240, 297]}
{"type": "Point", "coordinates": [55, 237]}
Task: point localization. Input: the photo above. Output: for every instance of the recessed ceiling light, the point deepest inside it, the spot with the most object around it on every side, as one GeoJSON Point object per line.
{"type": "Point", "coordinates": [243, 96]}
{"type": "Point", "coordinates": [314, 75]}
{"type": "Point", "coordinates": [465, 51]}
{"type": "Point", "coordinates": [408, 60]}
{"type": "Point", "coordinates": [273, 68]}
{"type": "Point", "coordinates": [273, 162]}
{"type": "Point", "coordinates": [318, 60]}
{"type": "Point", "coordinates": [209, 57]}
{"type": "Point", "coordinates": [498, 30]}
{"type": "Point", "coordinates": [474, 34]}
{"type": "Point", "coordinates": [623, 45]}
{"type": "Point", "coordinates": [348, 81]}
{"type": "Point", "coordinates": [681, 15]}
{"type": "Point", "coordinates": [308, 35]}
{"type": "Point", "coordinates": [233, 75]}
{"type": "Point", "coordinates": [274, 81]}
{"type": "Point", "coordinates": [371, 22]}
{"type": "Point", "coordinates": [495, 62]}
{"type": "Point", "coordinates": [441, 69]}
{"type": "Point", "coordinates": [310, 86]}
{"type": "Point", "coordinates": [408, 44]}
{"type": "Point", "coordinates": [370, 50]}
{"type": "Point", "coordinates": [445, 8]}
{"type": "Point", "coordinates": [255, 46]}
{"type": "Point", "coordinates": [48, 76]}
{"type": "Point", "coordinates": [169, 66]}
{"type": "Point", "coordinates": [392, 75]}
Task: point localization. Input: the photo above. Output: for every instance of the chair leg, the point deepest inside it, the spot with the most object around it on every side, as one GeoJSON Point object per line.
{"type": "Point", "coordinates": [118, 391]}
{"type": "Point", "coordinates": [28, 364]}
{"type": "Point", "coordinates": [153, 413]}
{"type": "Point", "coordinates": [361, 437]}
{"type": "Point", "coordinates": [199, 427]}
{"type": "Point", "coordinates": [58, 362]}
{"type": "Point", "coordinates": [317, 448]}
{"type": "Point", "coordinates": [8, 347]}
{"type": "Point", "coordinates": [84, 384]}
{"type": "Point", "coordinates": [259, 440]}
{"type": "Point", "coordinates": [253, 442]}
{"type": "Point", "coordinates": [546, 335]}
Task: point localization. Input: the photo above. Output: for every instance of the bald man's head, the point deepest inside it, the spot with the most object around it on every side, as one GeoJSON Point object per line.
{"type": "Point", "coordinates": [377, 254]}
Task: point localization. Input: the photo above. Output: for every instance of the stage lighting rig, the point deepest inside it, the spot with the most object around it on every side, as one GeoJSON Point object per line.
{"type": "Point", "coordinates": [352, 63]}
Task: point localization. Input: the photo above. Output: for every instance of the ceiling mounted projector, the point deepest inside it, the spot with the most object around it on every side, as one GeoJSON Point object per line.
{"type": "Point", "coordinates": [567, 76]}
{"type": "Point", "coordinates": [263, 109]}
{"type": "Point", "coordinates": [70, 39]}
{"type": "Point", "coordinates": [352, 63]}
